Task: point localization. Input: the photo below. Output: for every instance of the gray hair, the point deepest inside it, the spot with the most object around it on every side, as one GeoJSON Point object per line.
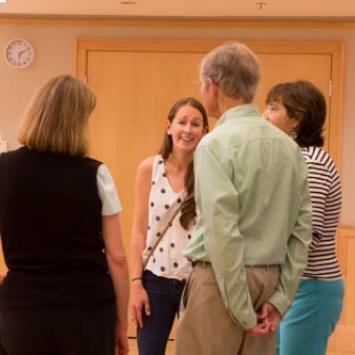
{"type": "Point", "coordinates": [235, 68]}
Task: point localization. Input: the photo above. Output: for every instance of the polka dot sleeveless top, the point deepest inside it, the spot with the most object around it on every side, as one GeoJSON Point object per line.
{"type": "Point", "coordinates": [167, 259]}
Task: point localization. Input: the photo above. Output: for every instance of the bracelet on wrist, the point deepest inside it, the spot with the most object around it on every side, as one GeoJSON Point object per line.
{"type": "Point", "coordinates": [136, 278]}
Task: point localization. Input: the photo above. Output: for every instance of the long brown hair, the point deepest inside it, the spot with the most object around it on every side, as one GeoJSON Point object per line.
{"type": "Point", "coordinates": [188, 210]}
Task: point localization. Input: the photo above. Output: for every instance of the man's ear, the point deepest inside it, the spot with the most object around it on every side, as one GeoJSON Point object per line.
{"type": "Point", "coordinates": [214, 87]}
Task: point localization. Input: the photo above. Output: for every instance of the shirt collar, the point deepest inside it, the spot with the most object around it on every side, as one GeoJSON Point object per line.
{"type": "Point", "coordinates": [244, 110]}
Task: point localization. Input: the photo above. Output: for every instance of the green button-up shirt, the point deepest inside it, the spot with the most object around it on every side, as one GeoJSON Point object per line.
{"type": "Point", "coordinates": [253, 208]}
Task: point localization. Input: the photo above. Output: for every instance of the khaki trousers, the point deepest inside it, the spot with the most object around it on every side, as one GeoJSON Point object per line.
{"type": "Point", "coordinates": [206, 328]}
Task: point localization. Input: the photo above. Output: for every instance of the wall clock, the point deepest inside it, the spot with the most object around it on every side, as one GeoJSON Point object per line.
{"type": "Point", "coordinates": [19, 53]}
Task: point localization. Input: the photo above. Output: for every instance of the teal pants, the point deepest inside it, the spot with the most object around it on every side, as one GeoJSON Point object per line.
{"type": "Point", "coordinates": [311, 319]}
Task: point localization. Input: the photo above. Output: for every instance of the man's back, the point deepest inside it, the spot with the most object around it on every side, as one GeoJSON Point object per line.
{"type": "Point", "coordinates": [266, 170]}
{"type": "Point", "coordinates": [253, 206]}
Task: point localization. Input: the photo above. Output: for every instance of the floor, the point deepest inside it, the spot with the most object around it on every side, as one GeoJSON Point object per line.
{"type": "Point", "coordinates": [170, 349]}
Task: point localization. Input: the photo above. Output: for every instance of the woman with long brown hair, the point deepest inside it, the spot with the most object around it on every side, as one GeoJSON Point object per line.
{"type": "Point", "coordinates": [164, 216]}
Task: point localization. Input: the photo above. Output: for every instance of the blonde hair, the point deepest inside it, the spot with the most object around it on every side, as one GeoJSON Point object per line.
{"type": "Point", "coordinates": [56, 119]}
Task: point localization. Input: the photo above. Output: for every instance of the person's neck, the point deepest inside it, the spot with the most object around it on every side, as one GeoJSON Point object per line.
{"type": "Point", "coordinates": [179, 160]}
{"type": "Point", "coordinates": [225, 103]}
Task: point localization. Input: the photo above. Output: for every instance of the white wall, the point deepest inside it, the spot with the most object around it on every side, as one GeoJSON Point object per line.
{"type": "Point", "coordinates": [55, 54]}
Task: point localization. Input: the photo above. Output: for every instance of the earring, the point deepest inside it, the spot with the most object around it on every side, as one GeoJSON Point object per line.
{"type": "Point", "coordinates": [293, 135]}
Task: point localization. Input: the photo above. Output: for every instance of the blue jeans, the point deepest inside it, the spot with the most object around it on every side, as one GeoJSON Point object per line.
{"type": "Point", "coordinates": [164, 297]}
{"type": "Point", "coordinates": [311, 319]}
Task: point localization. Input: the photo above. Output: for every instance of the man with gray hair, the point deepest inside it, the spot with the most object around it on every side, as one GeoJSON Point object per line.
{"type": "Point", "coordinates": [254, 218]}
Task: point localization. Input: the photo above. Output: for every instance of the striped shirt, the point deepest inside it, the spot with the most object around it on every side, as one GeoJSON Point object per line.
{"type": "Point", "coordinates": [325, 191]}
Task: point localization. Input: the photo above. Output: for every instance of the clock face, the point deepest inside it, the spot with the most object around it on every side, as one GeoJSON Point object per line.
{"type": "Point", "coordinates": [19, 53]}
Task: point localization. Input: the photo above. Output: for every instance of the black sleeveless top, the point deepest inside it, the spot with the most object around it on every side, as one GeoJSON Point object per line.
{"type": "Point", "coordinates": [50, 226]}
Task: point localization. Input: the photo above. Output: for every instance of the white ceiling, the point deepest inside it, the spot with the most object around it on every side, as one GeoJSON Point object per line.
{"type": "Point", "coordinates": [329, 9]}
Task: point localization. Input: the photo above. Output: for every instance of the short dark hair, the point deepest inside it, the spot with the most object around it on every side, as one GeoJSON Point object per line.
{"type": "Point", "coordinates": [306, 103]}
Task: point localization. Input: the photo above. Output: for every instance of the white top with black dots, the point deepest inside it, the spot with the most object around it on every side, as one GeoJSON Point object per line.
{"type": "Point", "coordinates": [167, 259]}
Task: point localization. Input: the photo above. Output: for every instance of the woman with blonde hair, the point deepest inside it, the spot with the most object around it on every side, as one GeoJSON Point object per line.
{"type": "Point", "coordinates": [65, 291]}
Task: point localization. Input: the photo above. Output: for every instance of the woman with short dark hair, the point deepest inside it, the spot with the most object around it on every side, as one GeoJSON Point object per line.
{"type": "Point", "coordinates": [299, 109]}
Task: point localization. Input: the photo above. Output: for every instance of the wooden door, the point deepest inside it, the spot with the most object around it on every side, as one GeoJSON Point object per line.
{"type": "Point", "coordinates": [136, 82]}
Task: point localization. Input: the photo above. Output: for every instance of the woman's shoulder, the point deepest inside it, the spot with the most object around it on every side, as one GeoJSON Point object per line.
{"type": "Point", "coordinates": [319, 158]}
{"type": "Point", "coordinates": [316, 154]}
{"type": "Point", "coordinates": [15, 152]}
{"type": "Point", "coordinates": [148, 164]}
{"type": "Point", "coordinates": [147, 168]}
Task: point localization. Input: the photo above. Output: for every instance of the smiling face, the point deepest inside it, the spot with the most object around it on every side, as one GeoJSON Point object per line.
{"type": "Point", "coordinates": [276, 113]}
{"type": "Point", "coordinates": [186, 129]}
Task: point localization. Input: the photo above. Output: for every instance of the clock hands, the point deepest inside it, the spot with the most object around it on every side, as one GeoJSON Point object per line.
{"type": "Point", "coordinates": [19, 53]}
